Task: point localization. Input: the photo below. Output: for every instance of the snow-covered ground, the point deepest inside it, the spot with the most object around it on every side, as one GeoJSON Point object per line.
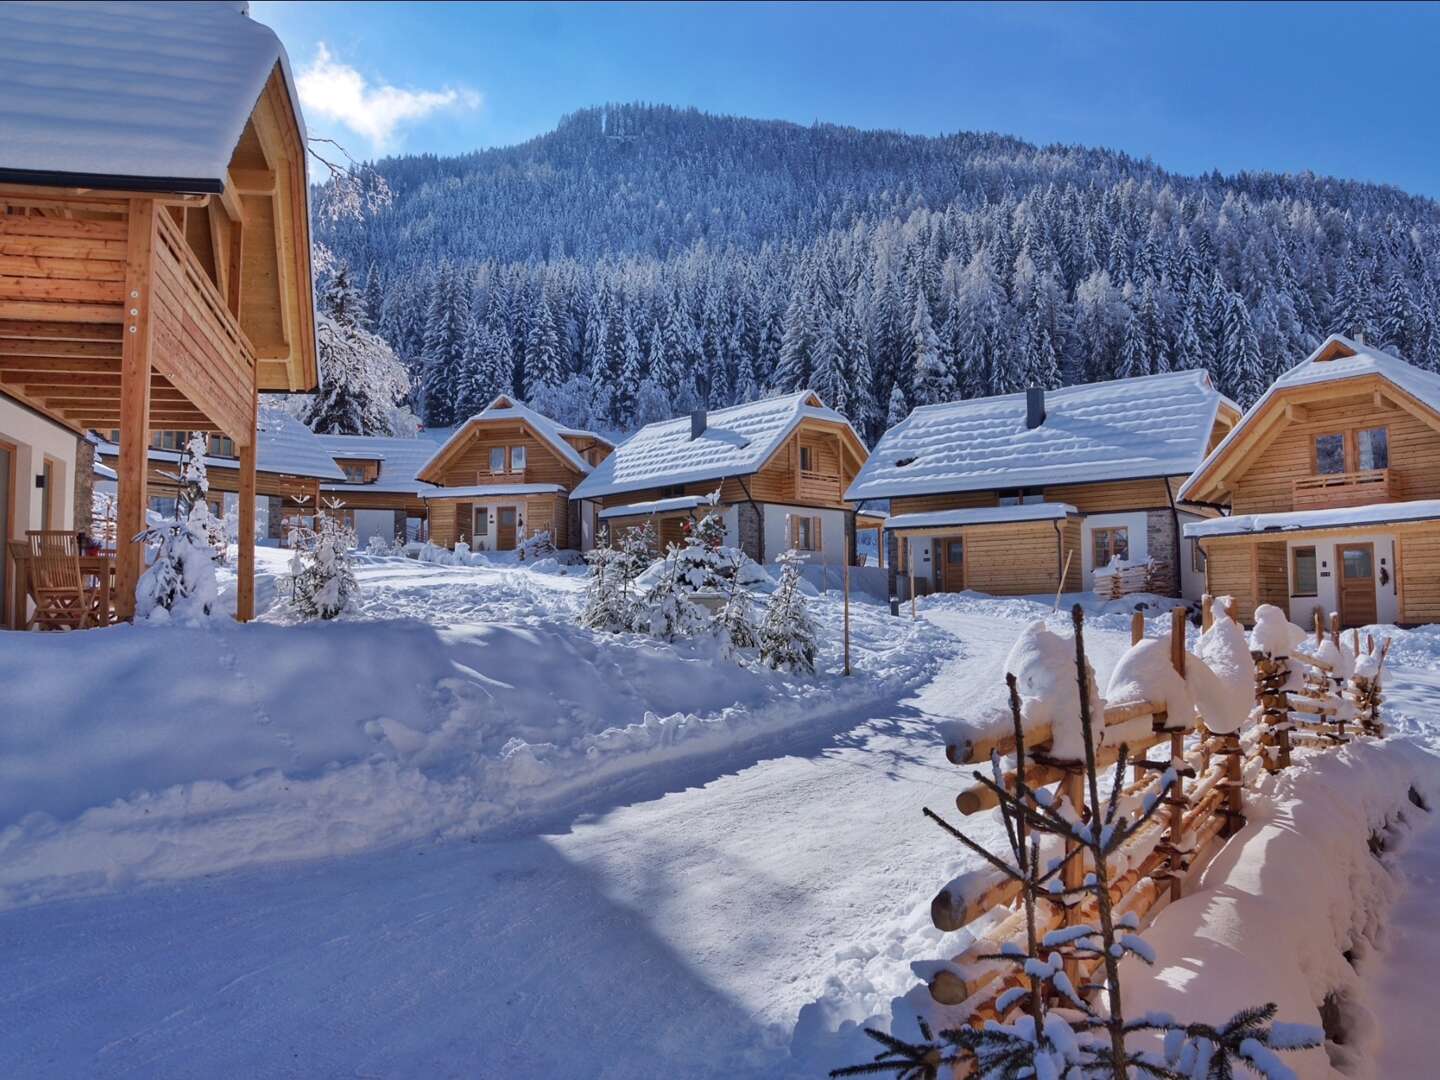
{"type": "Point", "coordinates": [657, 904]}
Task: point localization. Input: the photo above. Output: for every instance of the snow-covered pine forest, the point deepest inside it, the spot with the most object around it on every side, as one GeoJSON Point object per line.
{"type": "Point", "coordinates": [641, 260]}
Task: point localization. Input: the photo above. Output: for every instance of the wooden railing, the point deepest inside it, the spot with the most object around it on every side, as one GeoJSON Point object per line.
{"type": "Point", "coordinates": [198, 343]}
{"type": "Point", "coordinates": [822, 487]}
{"type": "Point", "coordinates": [1343, 489]}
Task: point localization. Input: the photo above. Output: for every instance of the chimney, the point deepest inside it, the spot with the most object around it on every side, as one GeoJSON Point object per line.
{"type": "Point", "coordinates": [1359, 337]}
{"type": "Point", "coordinates": [1034, 407]}
{"type": "Point", "coordinates": [697, 423]}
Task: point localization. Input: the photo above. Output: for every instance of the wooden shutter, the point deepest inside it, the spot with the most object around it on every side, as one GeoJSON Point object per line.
{"type": "Point", "coordinates": [464, 521]}
{"type": "Point", "coordinates": [815, 534]}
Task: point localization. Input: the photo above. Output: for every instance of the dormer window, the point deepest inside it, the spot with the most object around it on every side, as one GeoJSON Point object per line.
{"type": "Point", "coordinates": [355, 474]}
{"type": "Point", "coordinates": [1021, 496]}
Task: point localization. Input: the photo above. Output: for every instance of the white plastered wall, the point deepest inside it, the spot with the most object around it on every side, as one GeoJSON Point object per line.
{"type": "Point", "coordinates": [777, 531]}
{"type": "Point", "coordinates": [34, 439]}
{"type": "Point", "coordinates": [1134, 523]}
{"type": "Point", "coordinates": [1327, 598]}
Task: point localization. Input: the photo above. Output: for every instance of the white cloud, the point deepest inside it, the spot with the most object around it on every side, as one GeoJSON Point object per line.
{"type": "Point", "coordinates": [338, 92]}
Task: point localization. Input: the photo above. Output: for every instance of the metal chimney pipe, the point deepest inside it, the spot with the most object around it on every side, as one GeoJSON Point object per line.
{"type": "Point", "coordinates": [697, 423]}
{"type": "Point", "coordinates": [1034, 406]}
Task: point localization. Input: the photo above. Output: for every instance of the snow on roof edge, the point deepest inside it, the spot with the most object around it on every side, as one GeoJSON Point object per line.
{"type": "Point", "coordinates": [982, 515]}
{"type": "Point", "coordinates": [1369, 515]}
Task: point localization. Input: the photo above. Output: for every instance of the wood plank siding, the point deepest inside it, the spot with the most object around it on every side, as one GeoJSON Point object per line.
{"type": "Point", "coordinates": [1115, 496]}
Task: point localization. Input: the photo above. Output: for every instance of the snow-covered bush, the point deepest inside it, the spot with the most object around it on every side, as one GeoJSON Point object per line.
{"type": "Point", "coordinates": [539, 546]}
{"type": "Point", "coordinates": [667, 610]}
{"type": "Point", "coordinates": [788, 641]}
{"type": "Point", "coordinates": [180, 580]}
{"type": "Point", "coordinates": [322, 571]}
{"type": "Point", "coordinates": [378, 545]}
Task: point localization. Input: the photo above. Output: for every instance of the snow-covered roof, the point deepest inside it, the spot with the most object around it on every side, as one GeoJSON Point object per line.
{"type": "Point", "coordinates": [400, 460]}
{"type": "Point", "coordinates": [654, 506]}
{"type": "Point", "coordinates": [1338, 358]}
{"type": "Point", "coordinates": [483, 491]}
{"type": "Point", "coordinates": [147, 91]}
{"type": "Point", "coordinates": [104, 472]}
{"type": "Point", "coordinates": [505, 408]}
{"type": "Point", "coordinates": [736, 442]}
{"type": "Point", "coordinates": [1151, 425]}
{"type": "Point", "coordinates": [1308, 520]}
{"type": "Point", "coordinates": [982, 515]}
{"type": "Point", "coordinates": [283, 445]}
{"type": "Point", "coordinates": [585, 433]}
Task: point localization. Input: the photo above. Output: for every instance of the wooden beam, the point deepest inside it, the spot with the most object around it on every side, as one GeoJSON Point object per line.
{"type": "Point", "coordinates": [47, 330]}
{"type": "Point", "coordinates": [252, 181]}
{"type": "Point", "coordinates": [135, 403]}
{"type": "Point", "coordinates": [45, 366]}
{"type": "Point", "coordinates": [245, 542]}
{"type": "Point", "coordinates": [60, 350]}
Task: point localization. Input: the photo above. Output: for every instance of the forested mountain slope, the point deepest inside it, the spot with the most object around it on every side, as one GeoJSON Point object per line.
{"type": "Point", "coordinates": [641, 260]}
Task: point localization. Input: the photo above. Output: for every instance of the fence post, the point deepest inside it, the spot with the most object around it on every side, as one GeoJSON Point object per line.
{"type": "Point", "coordinates": [1176, 798]}
{"type": "Point", "coordinates": [847, 615]}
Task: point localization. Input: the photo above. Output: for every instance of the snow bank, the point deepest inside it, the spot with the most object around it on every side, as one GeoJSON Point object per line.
{"type": "Point", "coordinates": [1043, 664]}
{"type": "Point", "coordinates": [1274, 915]}
{"type": "Point", "coordinates": [1274, 633]}
{"type": "Point", "coordinates": [150, 754]}
{"type": "Point", "coordinates": [1225, 704]}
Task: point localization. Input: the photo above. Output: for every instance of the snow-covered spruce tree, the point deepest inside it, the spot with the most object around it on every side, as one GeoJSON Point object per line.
{"type": "Point", "coordinates": [322, 576]}
{"type": "Point", "coordinates": [193, 495]}
{"type": "Point", "coordinates": [667, 611]}
{"type": "Point", "coordinates": [735, 621]}
{"type": "Point", "coordinates": [609, 604]}
{"type": "Point", "coordinates": [787, 637]}
{"type": "Point", "coordinates": [1059, 1033]}
{"type": "Point", "coordinates": [363, 380]}
{"type": "Point", "coordinates": [180, 580]}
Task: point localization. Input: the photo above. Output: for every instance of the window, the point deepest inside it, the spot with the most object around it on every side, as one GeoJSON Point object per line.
{"type": "Point", "coordinates": [1372, 448]}
{"type": "Point", "coordinates": [355, 474]}
{"type": "Point", "coordinates": [1197, 557]}
{"type": "Point", "coordinates": [482, 521]}
{"type": "Point", "coordinates": [222, 446]}
{"type": "Point", "coordinates": [164, 505]}
{"type": "Point", "coordinates": [169, 440]}
{"type": "Point", "coordinates": [807, 459]}
{"type": "Point", "coordinates": [1021, 496]}
{"type": "Point", "coordinates": [1108, 544]}
{"type": "Point", "coordinates": [1329, 454]}
{"type": "Point", "coordinates": [517, 459]}
{"type": "Point", "coordinates": [672, 491]}
{"type": "Point", "coordinates": [954, 552]}
{"type": "Point", "coordinates": [805, 533]}
{"type": "Point", "coordinates": [1303, 578]}
{"type": "Point", "coordinates": [497, 459]}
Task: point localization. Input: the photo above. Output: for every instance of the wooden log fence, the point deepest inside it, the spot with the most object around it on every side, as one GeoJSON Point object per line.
{"type": "Point", "coordinates": [1300, 699]}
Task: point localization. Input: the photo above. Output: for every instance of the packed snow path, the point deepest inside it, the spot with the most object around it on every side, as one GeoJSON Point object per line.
{"type": "Point", "coordinates": [718, 920]}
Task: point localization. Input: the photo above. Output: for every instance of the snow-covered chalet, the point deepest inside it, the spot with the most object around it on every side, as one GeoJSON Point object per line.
{"type": "Point", "coordinates": [780, 466]}
{"type": "Point", "coordinates": [505, 475]}
{"type": "Point", "coordinates": [1006, 494]}
{"type": "Point", "coordinates": [1332, 486]}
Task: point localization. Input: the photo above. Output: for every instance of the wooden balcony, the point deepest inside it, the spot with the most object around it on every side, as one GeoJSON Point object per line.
{"type": "Point", "coordinates": [1331, 490]}
{"type": "Point", "coordinates": [819, 487]}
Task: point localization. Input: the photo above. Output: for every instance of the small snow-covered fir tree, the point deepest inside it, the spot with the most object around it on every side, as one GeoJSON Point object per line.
{"type": "Point", "coordinates": [609, 604]}
{"type": "Point", "coordinates": [322, 574]}
{"type": "Point", "coordinates": [193, 496]}
{"type": "Point", "coordinates": [180, 580]}
{"type": "Point", "coordinates": [787, 638]}
{"type": "Point", "coordinates": [735, 621]}
{"type": "Point", "coordinates": [667, 611]}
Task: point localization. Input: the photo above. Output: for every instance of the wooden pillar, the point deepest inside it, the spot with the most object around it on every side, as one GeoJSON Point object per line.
{"type": "Point", "coordinates": [245, 554]}
{"type": "Point", "coordinates": [1207, 617]}
{"type": "Point", "coordinates": [134, 404]}
{"type": "Point", "coordinates": [892, 563]}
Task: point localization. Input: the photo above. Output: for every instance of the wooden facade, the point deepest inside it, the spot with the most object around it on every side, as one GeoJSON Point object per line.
{"type": "Point", "coordinates": [507, 447]}
{"type": "Point", "coordinates": [1355, 442]}
{"type": "Point", "coordinates": [141, 310]}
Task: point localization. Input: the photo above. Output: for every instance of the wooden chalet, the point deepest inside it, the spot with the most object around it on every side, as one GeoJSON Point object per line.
{"type": "Point", "coordinates": [780, 466]}
{"type": "Point", "coordinates": [381, 493]}
{"type": "Point", "coordinates": [1007, 494]}
{"type": "Point", "coordinates": [1331, 484]}
{"type": "Point", "coordinates": [506, 474]}
{"type": "Point", "coordinates": [293, 470]}
{"type": "Point", "coordinates": [154, 243]}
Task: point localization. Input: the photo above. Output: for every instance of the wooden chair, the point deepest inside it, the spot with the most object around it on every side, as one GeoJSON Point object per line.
{"type": "Point", "coordinates": [62, 599]}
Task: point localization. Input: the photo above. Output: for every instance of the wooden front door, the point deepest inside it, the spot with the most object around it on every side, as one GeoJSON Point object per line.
{"type": "Point", "coordinates": [1356, 565]}
{"type": "Point", "coordinates": [505, 529]}
{"type": "Point", "coordinates": [949, 558]}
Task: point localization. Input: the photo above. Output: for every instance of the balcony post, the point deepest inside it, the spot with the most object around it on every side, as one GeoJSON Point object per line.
{"type": "Point", "coordinates": [134, 404]}
{"type": "Point", "coordinates": [245, 542]}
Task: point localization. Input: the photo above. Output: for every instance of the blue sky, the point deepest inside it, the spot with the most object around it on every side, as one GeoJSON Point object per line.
{"type": "Point", "coordinates": [1347, 90]}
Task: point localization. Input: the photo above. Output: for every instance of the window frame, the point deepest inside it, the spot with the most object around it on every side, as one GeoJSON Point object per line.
{"type": "Point", "coordinates": [800, 526]}
{"type": "Point", "coordinates": [481, 522]}
{"type": "Point", "coordinates": [1355, 435]}
{"type": "Point", "coordinates": [1344, 452]}
{"type": "Point", "coordinates": [1108, 532]}
{"type": "Point", "coordinates": [1197, 557]}
{"type": "Point", "coordinates": [1314, 554]}
{"type": "Point", "coordinates": [807, 458]}
{"type": "Point", "coordinates": [517, 459]}
{"type": "Point", "coordinates": [494, 450]}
